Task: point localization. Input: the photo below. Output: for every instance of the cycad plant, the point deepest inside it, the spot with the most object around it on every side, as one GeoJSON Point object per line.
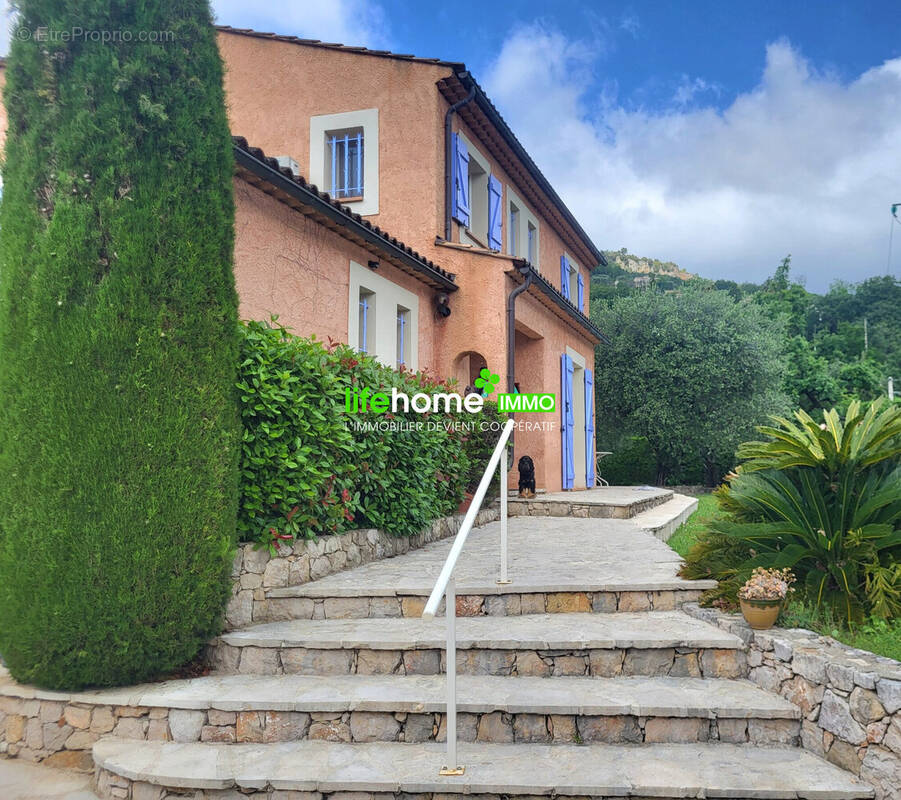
{"type": "Point", "coordinates": [823, 499]}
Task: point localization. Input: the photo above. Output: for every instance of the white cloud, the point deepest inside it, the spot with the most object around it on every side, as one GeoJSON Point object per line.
{"type": "Point", "coordinates": [803, 163]}
{"type": "Point", "coordinates": [353, 22]}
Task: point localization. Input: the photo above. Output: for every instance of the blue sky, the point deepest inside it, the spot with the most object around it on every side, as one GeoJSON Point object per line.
{"type": "Point", "coordinates": [719, 135]}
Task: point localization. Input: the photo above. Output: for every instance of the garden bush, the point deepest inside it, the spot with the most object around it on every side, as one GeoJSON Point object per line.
{"type": "Point", "coordinates": [119, 426]}
{"type": "Point", "coordinates": [823, 499]}
{"type": "Point", "coordinates": [310, 468]}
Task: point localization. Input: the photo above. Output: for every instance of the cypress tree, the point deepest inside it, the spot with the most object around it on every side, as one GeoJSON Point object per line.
{"type": "Point", "coordinates": [119, 426]}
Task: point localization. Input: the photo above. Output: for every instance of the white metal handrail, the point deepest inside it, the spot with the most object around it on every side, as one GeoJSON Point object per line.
{"type": "Point", "coordinates": [445, 587]}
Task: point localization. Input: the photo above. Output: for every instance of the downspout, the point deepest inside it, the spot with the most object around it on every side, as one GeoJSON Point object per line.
{"type": "Point", "coordinates": [524, 268]}
{"type": "Point", "coordinates": [448, 161]}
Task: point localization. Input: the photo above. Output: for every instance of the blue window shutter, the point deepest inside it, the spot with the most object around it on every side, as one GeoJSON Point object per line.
{"type": "Point", "coordinates": [581, 304]}
{"type": "Point", "coordinates": [589, 429]}
{"type": "Point", "coordinates": [495, 217]}
{"type": "Point", "coordinates": [564, 276]}
{"type": "Point", "coordinates": [460, 211]}
{"type": "Point", "coordinates": [568, 463]}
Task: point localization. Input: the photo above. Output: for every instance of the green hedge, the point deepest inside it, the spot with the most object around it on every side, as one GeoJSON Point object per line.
{"type": "Point", "coordinates": [307, 471]}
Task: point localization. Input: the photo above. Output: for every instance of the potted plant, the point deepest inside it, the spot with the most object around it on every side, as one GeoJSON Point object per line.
{"type": "Point", "coordinates": [762, 596]}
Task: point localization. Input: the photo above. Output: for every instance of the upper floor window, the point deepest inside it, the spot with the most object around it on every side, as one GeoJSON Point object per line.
{"type": "Point", "coordinates": [513, 233]}
{"type": "Point", "coordinates": [344, 157]}
{"type": "Point", "coordinates": [345, 163]}
{"type": "Point", "coordinates": [477, 197]}
{"type": "Point", "coordinates": [572, 286]}
{"type": "Point", "coordinates": [522, 229]}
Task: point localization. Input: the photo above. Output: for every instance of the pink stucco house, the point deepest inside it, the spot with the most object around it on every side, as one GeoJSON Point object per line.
{"type": "Point", "coordinates": [381, 200]}
{"type": "Point", "coordinates": [399, 194]}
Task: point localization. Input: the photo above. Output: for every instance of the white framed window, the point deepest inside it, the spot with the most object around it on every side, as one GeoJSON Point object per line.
{"type": "Point", "coordinates": [383, 318]}
{"type": "Point", "coordinates": [572, 285]}
{"type": "Point", "coordinates": [344, 157]}
{"type": "Point", "coordinates": [513, 229]}
{"type": "Point", "coordinates": [403, 336]}
{"type": "Point", "coordinates": [522, 227]}
{"type": "Point", "coordinates": [479, 171]}
{"type": "Point", "coordinates": [366, 319]}
{"type": "Point", "coordinates": [344, 164]}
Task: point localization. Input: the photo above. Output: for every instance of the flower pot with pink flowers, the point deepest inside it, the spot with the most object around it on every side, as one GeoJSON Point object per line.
{"type": "Point", "coordinates": [762, 596]}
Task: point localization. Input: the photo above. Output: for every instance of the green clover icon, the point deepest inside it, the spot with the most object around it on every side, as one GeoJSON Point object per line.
{"type": "Point", "coordinates": [487, 381]}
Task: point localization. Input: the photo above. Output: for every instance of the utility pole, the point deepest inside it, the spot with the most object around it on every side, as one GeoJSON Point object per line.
{"type": "Point", "coordinates": [891, 389]}
{"type": "Point", "coordinates": [866, 340]}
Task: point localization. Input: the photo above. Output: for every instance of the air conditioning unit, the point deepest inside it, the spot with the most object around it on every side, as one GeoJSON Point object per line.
{"type": "Point", "coordinates": [290, 163]}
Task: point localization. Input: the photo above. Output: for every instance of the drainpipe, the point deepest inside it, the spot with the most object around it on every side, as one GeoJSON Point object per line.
{"type": "Point", "coordinates": [524, 268]}
{"type": "Point", "coordinates": [448, 161]}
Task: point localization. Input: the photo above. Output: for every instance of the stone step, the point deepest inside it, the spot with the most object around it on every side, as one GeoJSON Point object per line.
{"type": "Point", "coordinates": [603, 645]}
{"type": "Point", "coordinates": [664, 520]}
{"type": "Point", "coordinates": [556, 565]}
{"type": "Point", "coordinates": [363, 708]}
{"type": "Point", "coordinates": [607, 502]}
{"type": "Point", "coordinates": [147, 770]}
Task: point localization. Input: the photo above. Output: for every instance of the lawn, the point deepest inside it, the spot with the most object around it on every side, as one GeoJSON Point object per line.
{"type": "Point", "coordinates": [879, 636]}
{"type": "Point", "coordinates": [687, 533]}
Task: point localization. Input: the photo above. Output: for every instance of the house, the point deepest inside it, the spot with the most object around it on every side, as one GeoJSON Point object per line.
{"type": "Point", "coordinates": [382, 200]}
{"type": "Point", "coordinates": [415, 147]}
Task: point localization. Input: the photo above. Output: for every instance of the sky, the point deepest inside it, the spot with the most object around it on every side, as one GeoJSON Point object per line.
{"type": "Point", "coordinates": [721, 136]}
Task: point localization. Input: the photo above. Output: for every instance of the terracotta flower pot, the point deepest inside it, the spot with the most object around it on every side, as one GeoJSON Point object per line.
{"type": "Point", "coordinates": [465, 503]}
{"type": "Point", "coordinates": [761, 614]}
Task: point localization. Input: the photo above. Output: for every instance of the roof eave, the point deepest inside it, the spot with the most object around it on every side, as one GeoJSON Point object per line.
{"type": "Point", "coordinates": [343, 217]}
{"type": "Point", "coordinates": [575, 317]}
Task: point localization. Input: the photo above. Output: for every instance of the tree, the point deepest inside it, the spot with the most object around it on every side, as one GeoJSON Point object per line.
{"type": "Point", "coordinates": [693, 372]}
{"type": "Point", "coordinates": [118, 344]}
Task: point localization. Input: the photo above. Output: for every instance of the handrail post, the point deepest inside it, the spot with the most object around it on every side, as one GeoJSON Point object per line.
{"type": "Point", "coordinates": [502, 468]}
{"type": "Point", "coordinates": [450, 612]}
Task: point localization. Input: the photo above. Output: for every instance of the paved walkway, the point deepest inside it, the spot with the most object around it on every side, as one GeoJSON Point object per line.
{"type": "Point", "coordinates": [23, 781]}
{"type": "Point", "coordinates": [546, 554]}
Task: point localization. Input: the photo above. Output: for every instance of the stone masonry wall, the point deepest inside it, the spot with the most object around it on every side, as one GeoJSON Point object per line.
{"type": "Point", "coordinates": [850, 699]}
{"type": "Point", "coordinates": [255, 571]}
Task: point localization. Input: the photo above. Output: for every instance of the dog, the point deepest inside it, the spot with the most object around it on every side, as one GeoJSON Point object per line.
{"type": "Point", "coordinates": [526, 477]}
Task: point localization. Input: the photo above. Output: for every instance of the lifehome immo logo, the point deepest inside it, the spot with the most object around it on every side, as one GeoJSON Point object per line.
{"type": "Point", "coordinates": [358, 401]}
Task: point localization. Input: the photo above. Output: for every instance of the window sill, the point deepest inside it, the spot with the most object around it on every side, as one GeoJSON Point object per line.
{"type": "Point", "coordinates": [355, 199]}
{"type": "Point", "coordinates": [471, 248]}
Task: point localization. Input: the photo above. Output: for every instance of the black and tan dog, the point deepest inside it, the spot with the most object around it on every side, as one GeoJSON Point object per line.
{"type": "Point", "coordinates": [526, 477]}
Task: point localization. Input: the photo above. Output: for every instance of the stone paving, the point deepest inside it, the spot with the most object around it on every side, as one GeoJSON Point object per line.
{"type": "Point", "coordinates": [22, 781]}
{"type": "Point", "coordinates": [660, 770]}
{"type": "Point", "coordinates": [546, 554]}
{"type": "Point", "coordinates": [655, 629]}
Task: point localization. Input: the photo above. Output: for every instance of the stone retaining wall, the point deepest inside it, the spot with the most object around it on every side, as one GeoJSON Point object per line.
{"type": "Point", "coordinates": [850, 699]}
{"type": "Point", "coordinates": [276, 609]}
{"type": "Point", "coordinates": [538, 507]}
{"type": "Point", "coordinates": [255, 571]}
{"type": "Point", "coordinates": [678, 662]}
{"type": "Point", "coordinates": [60, 733]}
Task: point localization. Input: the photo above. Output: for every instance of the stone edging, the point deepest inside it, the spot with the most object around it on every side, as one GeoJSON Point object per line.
{"type": "Point", "coordinates": [850, 699]}
{"type": "Point", "coordinates": [254, 571]}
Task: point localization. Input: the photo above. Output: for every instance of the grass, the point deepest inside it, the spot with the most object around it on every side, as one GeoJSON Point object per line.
{"type": "Point", "coordinates": [879, 636]}
{"type": "Point", "coordinates": [687, 533]}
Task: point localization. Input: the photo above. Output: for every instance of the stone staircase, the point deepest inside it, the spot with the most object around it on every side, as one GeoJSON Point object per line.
{"type": "Point", "coordinates": [582, 678]}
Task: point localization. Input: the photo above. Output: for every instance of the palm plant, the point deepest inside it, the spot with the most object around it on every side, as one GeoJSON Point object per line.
{"type": "Point", "coordinates": [825, 500]}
